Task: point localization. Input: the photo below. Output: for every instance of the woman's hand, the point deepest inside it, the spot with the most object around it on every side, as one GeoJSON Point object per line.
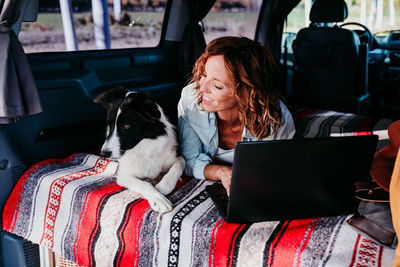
{"type": "Point", "coordinates": [219, 172]}
{"type": "Point", "coordinates": [225, 175]}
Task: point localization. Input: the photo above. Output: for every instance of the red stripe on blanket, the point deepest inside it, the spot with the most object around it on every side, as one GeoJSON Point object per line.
{"type": "Point", "coordinates": [13, 202]}
{"type": "Point", "coordinates": [362, 133]}
{"type": "Point", "coordinates": [353, 258]}
{"type": "Point", "coordinates": [273, 244]}
{"type": "Point", "coordinates": [292, 241]}
{"type": "Point", "coordinates": [130, 234]}
{"type": "Point", "coordinates": [54, 199]}
{"type": "Point", "coordinates": [89, 222]}
{"type": "Point", "coordinates": [365, 124]}
{"type": "Point", "coordinates": [366, 253]}
{"type": "Point", "coordinates": [223, 238]}
{"type": "Point", "coordinates": [212, 242]}
{"type": "Point", "coordinates": [380, 256]}
{"type": "Point", "coordinates": [232, 246]}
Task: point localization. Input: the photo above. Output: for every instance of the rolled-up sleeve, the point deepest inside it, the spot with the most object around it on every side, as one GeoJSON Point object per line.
{"type": "Point", "coordinates": [191, 145]}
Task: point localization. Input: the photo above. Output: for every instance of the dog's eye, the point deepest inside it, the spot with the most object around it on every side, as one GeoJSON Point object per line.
{"type": "Point", "coordinates": [126, 126]}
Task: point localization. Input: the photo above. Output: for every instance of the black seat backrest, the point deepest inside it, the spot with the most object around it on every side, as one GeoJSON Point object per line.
{"type": "Point", "coordinates": [329, 71]}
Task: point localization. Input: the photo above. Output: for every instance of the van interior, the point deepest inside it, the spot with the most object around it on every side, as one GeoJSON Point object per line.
{"type": "Point", "coordinates": [336, 72]}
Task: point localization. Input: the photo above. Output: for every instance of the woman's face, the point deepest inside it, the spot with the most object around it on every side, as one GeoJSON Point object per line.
{"type": "Point", "coordinates": [216, 92]}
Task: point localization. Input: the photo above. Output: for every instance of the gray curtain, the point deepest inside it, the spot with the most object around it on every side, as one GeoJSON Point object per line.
{"type": "Point", "coordinates": [193, 42]}
{"type": "Point", "coordinates": [18, 92]}
{"type": "Point", "coordinates": [270, 26]}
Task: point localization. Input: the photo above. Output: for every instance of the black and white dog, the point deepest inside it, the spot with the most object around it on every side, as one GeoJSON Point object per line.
{"type": "Point", "coordinates": [144, 142]}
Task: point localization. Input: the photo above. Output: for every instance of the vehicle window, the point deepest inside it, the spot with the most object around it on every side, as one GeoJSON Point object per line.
{"type": "Point", "coordinates": [139, 25]}
{"type": "Point", "coordinates": [377, 15]}
{"type": "Point", "coordinates": [234, 18]}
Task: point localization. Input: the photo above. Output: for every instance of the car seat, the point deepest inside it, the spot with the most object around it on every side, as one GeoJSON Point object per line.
{"type": "Point", "coordinates": [330, 68]}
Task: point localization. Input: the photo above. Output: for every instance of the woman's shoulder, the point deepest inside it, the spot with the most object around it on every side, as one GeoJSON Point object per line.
{"type": "Point", "coordinates": [190, 109]}
{"type": "Point", "coordinates": [288, 129]}
{"type": "Point", "coordinates": [188, 98]}
{"type": "Point", "coordinates": [189, 93]}
{"type": "Point", "coordinates": [285, 111]}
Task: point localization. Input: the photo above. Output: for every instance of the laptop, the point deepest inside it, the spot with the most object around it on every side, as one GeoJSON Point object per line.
{"type": "Point", "coordinates": [294, 178]}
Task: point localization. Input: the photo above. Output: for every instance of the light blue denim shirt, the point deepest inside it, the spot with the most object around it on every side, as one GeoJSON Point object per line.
{"type": "Point", "coordinates": [198, 132]}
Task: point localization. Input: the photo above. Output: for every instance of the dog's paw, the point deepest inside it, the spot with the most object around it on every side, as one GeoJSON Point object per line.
{"type": "Point", "coordinates": [168, 182]}
{"type": "Point", "coordinates": [164, 187]}
{"type": "Point", "coordinates": [160, 204]}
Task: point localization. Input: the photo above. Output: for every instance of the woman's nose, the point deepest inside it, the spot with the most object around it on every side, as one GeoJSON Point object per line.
{"type": "Point", "coordinates": [204, 86]}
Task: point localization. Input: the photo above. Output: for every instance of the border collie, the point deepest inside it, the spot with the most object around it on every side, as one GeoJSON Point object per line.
{"type": "Point", "coordinates": [143, 141]}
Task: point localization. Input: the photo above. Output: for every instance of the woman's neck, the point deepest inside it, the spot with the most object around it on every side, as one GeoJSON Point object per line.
{"type": "Point", "coordinates": [230, 129]}
{"type": "Point", "coordinates": [229, 117]}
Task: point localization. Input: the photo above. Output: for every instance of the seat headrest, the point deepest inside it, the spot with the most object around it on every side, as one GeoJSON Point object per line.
{"type": "Point", "coordinates": [328, 11]}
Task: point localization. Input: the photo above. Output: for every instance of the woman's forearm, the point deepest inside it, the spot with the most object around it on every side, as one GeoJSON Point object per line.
{"type": "Point", "coordinates": [211, 172]}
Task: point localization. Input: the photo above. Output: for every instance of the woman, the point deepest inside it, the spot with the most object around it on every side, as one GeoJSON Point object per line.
{"type": "Point", "coordinates": [234, 96]}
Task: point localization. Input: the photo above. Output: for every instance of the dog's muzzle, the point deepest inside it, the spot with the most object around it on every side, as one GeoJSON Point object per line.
{"type": "Point", "coordinates": [105, 154]}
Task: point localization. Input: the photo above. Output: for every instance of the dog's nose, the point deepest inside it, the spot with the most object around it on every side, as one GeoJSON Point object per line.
{"type": "Point", "coordinates": [105, 154]}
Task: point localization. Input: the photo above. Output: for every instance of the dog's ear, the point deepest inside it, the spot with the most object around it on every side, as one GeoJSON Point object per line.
{"type": "Point", "coordinates": [150, 113]}
{"type": "Point", "coordinates": [111, 96]}
{"type": "Point", "coordinates": [144, 106]}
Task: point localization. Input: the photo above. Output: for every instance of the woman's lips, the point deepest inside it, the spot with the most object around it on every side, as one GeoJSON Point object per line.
{"type": "Point", "coordinates": [207, 99]}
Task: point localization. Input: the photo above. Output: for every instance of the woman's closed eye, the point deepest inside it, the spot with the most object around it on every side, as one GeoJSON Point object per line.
{"type": "Point", "coordinates": [215, 83]}
{"type": "Point", "coordinates": [218, 86]}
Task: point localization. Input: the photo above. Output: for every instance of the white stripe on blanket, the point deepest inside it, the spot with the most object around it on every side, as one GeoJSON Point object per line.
{"type": "Point", "coordinates": [111, 218]}
{"type": "Point", "coordinates": [253, 243]}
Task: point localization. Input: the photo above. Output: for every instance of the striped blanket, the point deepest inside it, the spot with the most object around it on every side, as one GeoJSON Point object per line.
{"type": "Point", "coordinates": [321, 123]}
{"type": "Point", "coordinates": [75, 207]}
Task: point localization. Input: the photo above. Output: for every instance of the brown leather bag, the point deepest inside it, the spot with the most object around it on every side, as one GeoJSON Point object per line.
{"type": "Point", "coordinates": [375, 218]}
{"type": "Point", "coordinates": [371, 191]}
{"type": "Point", "coordinates": [372, 229]}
